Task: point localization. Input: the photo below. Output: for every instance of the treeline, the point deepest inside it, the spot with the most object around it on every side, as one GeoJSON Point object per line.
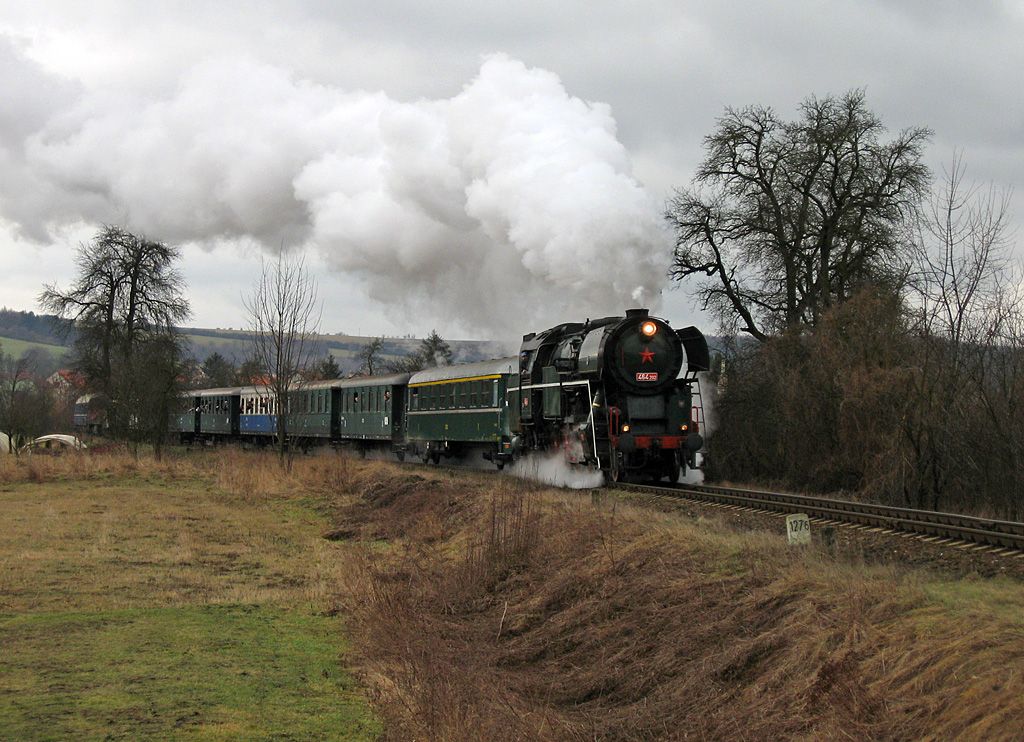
{"type": "Point", "coordinates": [884, 311]}
{"type": "Point", "coordinates": [35, 328]}
{"type": "Point", "coordinates": [878, 402]}
{"type": "Point", "coordinates": [370, 358]}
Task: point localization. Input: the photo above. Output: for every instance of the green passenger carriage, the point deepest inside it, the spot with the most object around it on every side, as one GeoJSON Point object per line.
{"type": "Point", "coordinates": [185, 417]}
{"type": "Point", "coordinates": [370, 410]}
{"type": "Point", "coordinates": [452, 410]}
{"type": "Point", "coordinates": [218, 411]}
{"type": "Point", "coordinates": [311, 410]}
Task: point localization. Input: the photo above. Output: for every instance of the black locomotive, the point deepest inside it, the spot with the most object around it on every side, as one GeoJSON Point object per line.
{"type": "Point", "coordinates": [616, 393]}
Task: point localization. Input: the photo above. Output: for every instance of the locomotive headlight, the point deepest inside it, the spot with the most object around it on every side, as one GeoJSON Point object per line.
{"type": "Point", "coordinates": [684, 426]}
{"type": "Point", "coordinates": [648, 328]}
{"type": "Point", "coordinates": [625, 428]}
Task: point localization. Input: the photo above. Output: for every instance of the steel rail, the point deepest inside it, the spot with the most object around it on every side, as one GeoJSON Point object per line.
{"type": "Point", "coordinates": [967, 528]}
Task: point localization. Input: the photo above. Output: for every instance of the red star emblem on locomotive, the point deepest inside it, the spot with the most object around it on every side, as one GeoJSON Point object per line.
{"type": "Point", "coordinates": [646, 356]}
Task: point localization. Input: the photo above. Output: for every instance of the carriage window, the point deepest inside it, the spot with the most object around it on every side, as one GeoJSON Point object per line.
{"type": "Point", "coordinates": [464, 394]}
{"type": "Point", "coordinates": [414, 400]}
{"type": "Point", "coordinates": [451, 394]}
{"type": "Point", "coordinates": [494, 393]}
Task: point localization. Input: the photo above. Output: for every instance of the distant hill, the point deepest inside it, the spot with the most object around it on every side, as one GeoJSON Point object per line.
{"type": "Point", "coordinates": [235, 345]}
{"type": "Point", "coordinates": [34, 328]}
{"type": "Point", "coordinates": [20, 331]}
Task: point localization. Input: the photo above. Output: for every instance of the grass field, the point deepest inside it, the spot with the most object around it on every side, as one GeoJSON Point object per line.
{"type": "Point", "coordinates": [188, 600]}
{"type": "Point", "coordinates": [15, 347]}
{"type": "Point", "coordinates": [197, 598]}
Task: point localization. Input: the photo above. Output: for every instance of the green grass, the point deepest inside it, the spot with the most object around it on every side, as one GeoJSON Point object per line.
{"type": "Point", "coordinates": [15, 347]}
{"type": "Point", "coordinates": [996, 597]}
{"type": "Point", "coordinates": [212, 672]}
{"type": "Point", "coordinates": [189, 600]}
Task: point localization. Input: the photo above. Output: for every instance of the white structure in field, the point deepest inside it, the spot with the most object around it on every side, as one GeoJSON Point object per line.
{"type": "Point", "coordinates": [798, 529]}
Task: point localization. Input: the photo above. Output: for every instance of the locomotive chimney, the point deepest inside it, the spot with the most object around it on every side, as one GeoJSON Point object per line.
{"type": "Point", "coordinates": [637, 312]}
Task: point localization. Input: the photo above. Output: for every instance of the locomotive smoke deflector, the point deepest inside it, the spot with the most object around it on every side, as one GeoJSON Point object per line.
{"type": "Point", "coordinates": [698, 358]}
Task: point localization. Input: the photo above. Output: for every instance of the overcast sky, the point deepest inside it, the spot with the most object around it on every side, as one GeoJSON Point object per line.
{"type": "Point", "coordinates": [497, 165]}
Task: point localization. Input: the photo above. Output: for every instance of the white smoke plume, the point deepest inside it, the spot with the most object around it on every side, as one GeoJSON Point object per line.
{"type": "Point", "coordinates": [552, 468]}
{"type": "Point", "coordinates": [505, 206]}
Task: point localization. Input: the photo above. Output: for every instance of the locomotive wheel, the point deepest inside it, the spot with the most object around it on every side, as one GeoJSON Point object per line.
{"type": "Point", "coordinates": [435, 458]}
{"type": "Point", "coordinates": [400, 455]}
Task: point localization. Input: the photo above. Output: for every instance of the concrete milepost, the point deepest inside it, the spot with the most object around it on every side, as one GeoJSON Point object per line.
{"type": "Point", "coordinates": [798, 529]}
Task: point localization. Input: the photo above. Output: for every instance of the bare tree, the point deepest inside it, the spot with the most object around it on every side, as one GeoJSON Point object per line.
{"type": "Point", "coordinates": [433, 351]}
{"type": "Point", "coordinates": [284, 316]}
{"type": "Point", "coordinates": [128, 296]}
{"type": "Point", "coordinates": [963, 242]}
{"type": "Point", "coordinates": [968, 309]}
{"type": "Point", "coordinates": [786, 218]}
{"type": "Point", "coordinates": [367, 355]}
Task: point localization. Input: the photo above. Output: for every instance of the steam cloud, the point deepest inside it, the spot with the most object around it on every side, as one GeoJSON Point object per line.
{"type": "Point", "coordinates": [509, 205]}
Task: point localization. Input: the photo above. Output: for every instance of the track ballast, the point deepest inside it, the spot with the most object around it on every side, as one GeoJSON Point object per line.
{"type": "Point", "coordinates": [998, 536]}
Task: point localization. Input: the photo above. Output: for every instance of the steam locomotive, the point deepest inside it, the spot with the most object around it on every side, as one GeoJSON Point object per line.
{"type": "Point", "coordinates": [615, 394]}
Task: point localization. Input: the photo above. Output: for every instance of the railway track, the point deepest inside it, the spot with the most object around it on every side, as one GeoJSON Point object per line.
{"type": "Point", "coordinates": [962, 531]}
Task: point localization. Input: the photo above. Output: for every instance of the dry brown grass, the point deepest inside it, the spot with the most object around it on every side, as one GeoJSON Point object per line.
{"type": "Point", "coordinates": [502, 614]}
{"type": "Point", "coordinates": [110, 531]}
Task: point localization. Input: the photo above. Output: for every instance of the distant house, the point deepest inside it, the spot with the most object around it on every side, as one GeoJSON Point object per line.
{"type": "Point", "coordinates": [66, 381]}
